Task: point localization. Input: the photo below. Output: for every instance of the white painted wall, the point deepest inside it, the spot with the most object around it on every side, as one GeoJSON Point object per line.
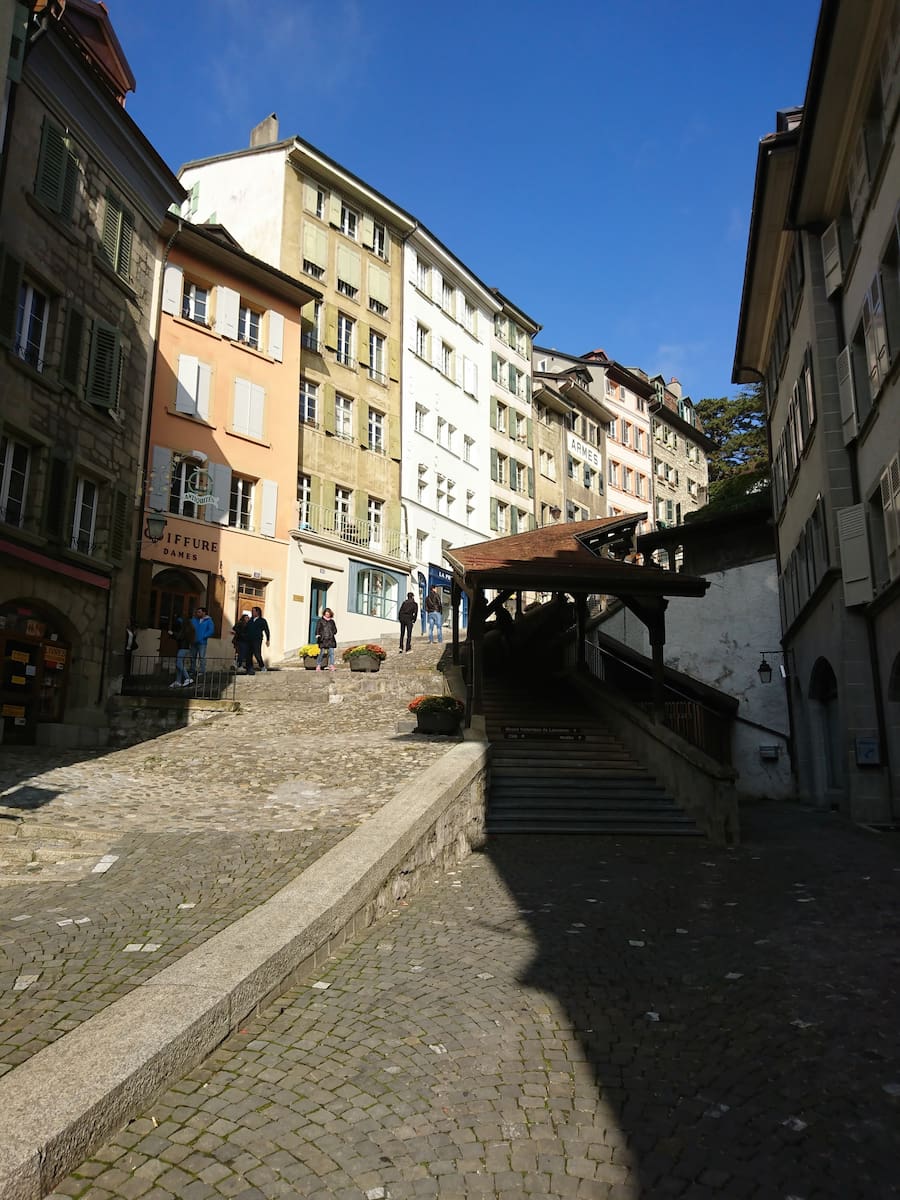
{"type": "Point", "coordinates": [423, 383]}
{"type": "Point", "coordinates": [718, 640]}
{"type": "Point", "coordinates": [246, 194]}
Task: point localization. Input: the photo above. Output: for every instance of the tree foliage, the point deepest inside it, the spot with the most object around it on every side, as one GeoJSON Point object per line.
{"type": "Point", "coordinates": [739, 466]}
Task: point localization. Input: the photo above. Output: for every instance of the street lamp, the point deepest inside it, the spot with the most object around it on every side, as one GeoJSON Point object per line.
{"type": "Point", "coordinates": [764, 671]}
{"type": "Point", "coordinates": [155, 529]}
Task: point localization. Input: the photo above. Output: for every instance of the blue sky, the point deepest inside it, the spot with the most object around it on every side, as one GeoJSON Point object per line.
{"type": "Point", "coordinates": [593, 159]}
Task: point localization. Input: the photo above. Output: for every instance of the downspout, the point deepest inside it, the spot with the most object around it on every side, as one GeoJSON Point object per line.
{"type": "Point", "coordinates": [403, 507]}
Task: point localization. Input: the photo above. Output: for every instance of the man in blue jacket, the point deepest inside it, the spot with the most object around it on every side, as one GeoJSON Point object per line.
{"type": "Point", "coordinates": [203, 631]}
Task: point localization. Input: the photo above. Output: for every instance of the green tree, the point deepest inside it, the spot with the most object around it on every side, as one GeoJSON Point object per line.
{"type": "Point", "coordinates": [739, 466]}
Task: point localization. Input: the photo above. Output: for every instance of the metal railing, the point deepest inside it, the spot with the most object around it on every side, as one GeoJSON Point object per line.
{"type": "Point", "coordinates": [156, 675]}
{"type": "Point", "coordinates": [690, 718]}
{"type": "Point", "coordinates": [367, 535]}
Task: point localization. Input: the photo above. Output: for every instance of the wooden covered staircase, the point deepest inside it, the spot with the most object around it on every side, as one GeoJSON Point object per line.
{"type": "Point", "coordinates": [555, 768]}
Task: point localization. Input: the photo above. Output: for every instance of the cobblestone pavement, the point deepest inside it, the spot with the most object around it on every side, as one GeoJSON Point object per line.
{"type": "Point", "coordinates": [570, 1017]}
{"type": "Point", "coordinates": [116, 864]}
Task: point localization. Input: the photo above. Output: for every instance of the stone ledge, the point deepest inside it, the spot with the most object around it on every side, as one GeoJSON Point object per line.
{"type": "Point", "coordinates": [71, 1096]}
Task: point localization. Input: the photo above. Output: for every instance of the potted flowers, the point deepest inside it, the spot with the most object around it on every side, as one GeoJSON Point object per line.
{"type": "Point", "coordinates": [309, 655]}
{"type": "Point", "coordinates": [364, 658]}
{"type": "Point", "coordinates": [437, 714]}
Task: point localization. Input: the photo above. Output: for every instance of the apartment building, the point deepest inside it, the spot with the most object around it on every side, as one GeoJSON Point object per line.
{"type": "Point", "coordinates": [313, 219]}
{"type": "Point", "coordinates": [629, 473]}
{"type": "Point", "coordinates": [512, 499]}
{"type": "Point", "coordinates": [223, 440]}
{"type": "Point", "coordinates": [84, 195]}
{"type": "Point", "coordinates": [680, 455]}
{"type": "Point", "coordinates": [820, 324]}
{"type": "Point", "coordinates": [448, 317]}
{"type": "Point", "coordinates": [571, 418]}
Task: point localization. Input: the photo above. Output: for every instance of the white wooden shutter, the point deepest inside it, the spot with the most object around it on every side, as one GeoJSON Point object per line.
{"type": "Point", "coordinates": [241, 419]}
{"type": "Point", "coordinates": [310, 196]}
{"type": "Point", "coordinates": [315, 245]}
{"type": "Point", "coordinates": [367, 232]}
{"type": "Point", "coordinates": [228, 304]}
{"type": "Point", "coordinates": [186, 389]}
{"type": "Point", "coordinates": [204, 389]}
{"type": "Point", "coordinates": [847, 394]}
{"type": "Point", "coordinates": [173, 289]}
{"type": "Point", "coordinates": [276, 335]}
{"type": "Point", "coordinates": [380, 285]}
{"type": "Point", "coordinates": [831, 259]}
{"type": "Point", "coordinates": [220, 486]}
{"type": "Point", "coordinates": [160, 482]}
{"type": "Point", "coordinates": [890, 504]}
{"type": "Point", "coordinates": [858, 181]}
{"type": "Point", "coordinates": [334, 210]}
{"type": "Point", "coordinates": [257, 410]}
{"type": "Point", "coordinates": [856, 568]}
{"type": "Point", "coordinates": [269, 507]}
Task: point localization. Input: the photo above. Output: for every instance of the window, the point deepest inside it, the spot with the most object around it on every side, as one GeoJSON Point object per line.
{"type": "Point", "coordinates": [375, 594]}
{"type": "Point", "coordinates": [470, 318]}
{"type": "Point", "coordinates": [249, 408]}
{"type": "Point", "coordinates": [118, 234]}
{"type": "Point", "coordinates": [613, 474]}
{"type": "Point", "coordinates": [502, 517]}
{"type": "Point", "coordinates": [502, 418]}
{"type": "Point", "coordinates": [421, 490]}
{"type": "Point", "coordinates": [639, 440]}
{"type": "Point", "coordinates": [502, 469]}
{"type": "Point", "coordinates": [345, 326]}
{"type": "Point", "coordinates": [304, 501]}
{"type": "Point", "coordinates": [451, 438]}
{"type": "Point", "coordinates": [588, 476]}
{"type": "Point", "coordinates": [343, 417]}
{"type": "Point", "coordinates": [628, 480]}
{"type": "Point", "coordinates": [547, 464]}
{"type": "Point", "coordinates": [343, 499]}
{"type": "Point", "coordinates": [240, 505]}
{"type": "Point", "coordinates": [31, 326]}
{"type": "Point", "coordinates": [310, 338]}
{"type": "Point", "coordinates": [15, 461]}
{"type": "Point", "coordinates": [309, 402]}
{"type": "Point", "coordinates": [349, 221]}
{"type": "Point", "coordinates": [188, 480]}
{"type": "Point", "coordinates": [379, 239]}
{"type": "Point", "coordinates": [375, 515]}
{"type": "Point", "coordinates": [441, 431]}
{"type": "Point", "coordinates": [248, 326]}
{"type": "Point", "coordinates": [376, 431]}
{"type": "Point", "coordinates": [377, 357]}
{"type": "Point", "coordinates": [421, 544]}
{"type": "Point", "coordinates": [195, 303]}
{"type": "Point", "coordinates": [521, 478]}
{"type": "Point", "coordinates": [319, 204]}
{"type": "Point", "coordinates": [422, 338]}
{"type": "Point", "coordinates": [447, 360]}
{"type": "Point", "coordinates": [420, 418]}
{"type": "Point", "coordinates": [84, 517]}
{"type": "Point", "coordinates": [57, 172]}
{"type": "Point", "coordinates": [626, 434]}
{"type": "Point", "coordinates": [447, 298]}
{"type": "Point", "coordinates": [423, 277]}
{"type": "Point", "coordinates": [105, 366]}
{"type": "Point", "coordinates": [468, 449]}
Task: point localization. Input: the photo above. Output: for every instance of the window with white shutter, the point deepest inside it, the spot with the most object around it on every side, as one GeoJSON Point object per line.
{"type": "Point", "coordinates": [856, 568]}
{"type": "Point", "coordinates": [890, 508]}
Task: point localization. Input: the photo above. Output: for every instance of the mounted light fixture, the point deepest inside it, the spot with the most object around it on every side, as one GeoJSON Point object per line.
{"type": "Point", "coordinates": [155, 529]}
{"type": "Point", "coordinates": [764, 671]}
{"type": "Point", "coordinates": [555, 512]}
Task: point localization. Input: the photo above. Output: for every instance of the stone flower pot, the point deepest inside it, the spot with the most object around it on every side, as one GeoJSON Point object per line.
{"type": "Point", "coordinates": [309, 664]}
{"type": "Point", "coordinates": [437, 722]}
{"type": "Point", "coordinates": [364, 662]}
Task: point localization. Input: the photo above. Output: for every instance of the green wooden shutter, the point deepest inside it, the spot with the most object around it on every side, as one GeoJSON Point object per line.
{"type": "Point", "coordinates": [56, 506]}
{"type": "Point", "coordinates": [494, 465]}
{"type": "Point", "coordinates": [393, 436]}
{"type": "Point", "coordinates": [72, 350]}
{"type": "Point", "coordinates": [126, 239]}
{"type": "Point", "coordinates": [10, 284]}
{"type": "Point", "coordinates": [494, 506]}
{"type": "Point", "coordinates": [110, 237]}
{"type": "Point", "coordinates": [528, 392]}
{"type": "Point", "coordinates": [394, 359]}
{"type": "Point", "coordinates": [51, 169]}
{"type": "Point", "coordinates": [361, 415]}
{"type": "Point", "coordinates": [103, 366]}
{"type": "Point", "coordinates": [529, 433]}
{"type": "Point", "coordinates": [531, 482]}
{"type": "Point", "coordinates": [513, 520]}
{"type": "Point", "coordinates": [327, 504]}
{"type": "Point", "coordinates": [361, 505]}
{"type": "Point", "coordinates": [315, 498]}
{"type": "Point", "coordinates": [495, 366]}
{"type": "Point", "coordinates": [119, 525]}
{"type": "Point", "coordinates": [330, 327]}
{"type": "Point", "coordinates": [513, 482]}
{"type": "Point", "coordinates": [511, 378]}
{"type": "Point", "coordinates": [328, 407]}
{"type": "Point", "coordinates": [493, 412]}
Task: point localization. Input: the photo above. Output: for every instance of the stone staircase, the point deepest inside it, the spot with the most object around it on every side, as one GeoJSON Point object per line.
{"type": "Point", "coordinates": [555, 768]}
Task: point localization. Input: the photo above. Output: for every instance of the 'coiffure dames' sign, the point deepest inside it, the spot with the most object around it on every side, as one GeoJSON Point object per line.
{"type": "Point", "coordinates": [188, 543]}
{"type": "Point", "coordinates": [583, 451]}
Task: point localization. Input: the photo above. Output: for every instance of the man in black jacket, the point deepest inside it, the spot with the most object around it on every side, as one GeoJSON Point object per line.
{"type": "Point", "coordinates": [257, 629]}
{"type": "Point", "coordinates": [434, 611]}
{"type": "Point", "coordinates": [407, 614]}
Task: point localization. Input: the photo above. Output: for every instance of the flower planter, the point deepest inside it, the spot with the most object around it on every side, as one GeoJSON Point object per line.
{"type": "Point", "coordinates": [364, 662]}
{"type": "Point", "coordinates": [309, 664]}
{"type": "Point", "coordinates": [437, 722]}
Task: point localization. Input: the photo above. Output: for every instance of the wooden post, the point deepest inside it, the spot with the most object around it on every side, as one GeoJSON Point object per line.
{"type": "Point", "coordinates": [455, 602]}
{"type": "Point", "coordinates": [581, 615]}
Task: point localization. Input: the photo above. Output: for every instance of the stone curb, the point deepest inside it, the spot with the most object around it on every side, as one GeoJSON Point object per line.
{"type": "Point", "coordinates": [68, 1098]}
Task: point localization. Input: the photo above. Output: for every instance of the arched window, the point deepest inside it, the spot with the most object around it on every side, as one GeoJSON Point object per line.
{"type": "Point", "coordinates": [376, 594]}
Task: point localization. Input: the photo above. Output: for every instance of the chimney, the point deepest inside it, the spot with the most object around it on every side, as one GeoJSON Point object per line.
{"type": "Point", "coordinates": [265, 132]}
{"type": "Point", "coordinates": [674, 387]}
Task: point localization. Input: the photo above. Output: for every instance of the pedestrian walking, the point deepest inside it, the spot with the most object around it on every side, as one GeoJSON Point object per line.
{"type": "Point", "coordinates": [406, 615]}
{"type": "Point", "coordinates": [184, 633]}
{"type": "Point", "coordinates": [131, 644]}
{"type": "Point", "coordinates": [240, 639]}
{"type": "Point", "coordinates": [326, 637]}
{"type": "Point", "coordinates": [257, 629]}
{"type": "Point", "coordinates": [203, 631]}
{"type": "Point", "coordinates": [434, 611]}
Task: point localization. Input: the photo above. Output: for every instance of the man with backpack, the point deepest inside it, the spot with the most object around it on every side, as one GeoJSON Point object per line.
{"type": "Point", "coordinates": [434, 614]}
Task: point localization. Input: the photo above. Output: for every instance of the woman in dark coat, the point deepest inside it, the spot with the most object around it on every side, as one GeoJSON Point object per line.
{"type": "Point", "coordinates": [326, 637]}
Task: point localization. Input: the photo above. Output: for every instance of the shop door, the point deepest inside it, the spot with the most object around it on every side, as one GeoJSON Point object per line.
{"type": "Point", "coordinates": [251, 593]}
{"type": "Point", "coordinates": [318, 603]}
{"type": "Point", "coordinates": [173, 595]}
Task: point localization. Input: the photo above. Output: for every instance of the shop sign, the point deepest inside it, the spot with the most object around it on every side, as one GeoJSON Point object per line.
{"type": "Point", "coordinates": [583, 451]}
{"type": "Point", "coordinates": [55, 657]}
{"type": "Point", "coordinates": [188, 543]}
{"type": "Point", "coordinates": [13, 710]}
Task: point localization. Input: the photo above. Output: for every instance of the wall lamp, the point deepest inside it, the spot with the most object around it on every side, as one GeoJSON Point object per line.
{"type": "Point", "coordinates": [764, 671]}
{"type": "Point", "coordinates": [155, 529]}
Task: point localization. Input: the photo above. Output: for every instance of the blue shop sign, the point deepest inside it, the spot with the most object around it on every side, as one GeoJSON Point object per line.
{"type": "Point", "coordinates": [439, 577]}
